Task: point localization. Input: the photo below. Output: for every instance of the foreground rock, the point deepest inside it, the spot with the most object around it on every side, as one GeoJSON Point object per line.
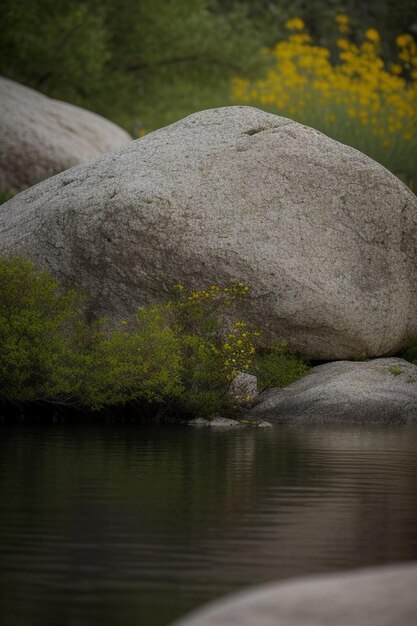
{"type": "Point", "coordinates": [371, 597]}
{"type": "Point", "coordinates": [382, 390]}
{"type": "Point", "coordinates": [41, 137]}
{"type": "Point", "coordinates": [325, 237]}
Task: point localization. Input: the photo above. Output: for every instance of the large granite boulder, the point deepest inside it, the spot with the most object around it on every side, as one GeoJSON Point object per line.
{"type": "Point", "coordinates": [41, 137]}
{"type": "Point", "coordinates": [383, 596]}
{"type": "Point", "coordinates": [382, 390]}
{"type": "Point", "coordinates": [325, 237]}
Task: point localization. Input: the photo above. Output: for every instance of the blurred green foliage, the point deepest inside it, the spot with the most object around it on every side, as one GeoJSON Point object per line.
{"type": "Point", "coordinates": [142, 64]}
{"type": "Point", "coordinates": [147, 63]}
{"type": "Point", "coordinates": [390, 17]}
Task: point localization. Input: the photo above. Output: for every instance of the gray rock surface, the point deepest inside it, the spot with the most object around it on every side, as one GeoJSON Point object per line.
{"type": "Point", "coordinates": [383, 596]}
{"type": "Point", "coordinates": [243, 388]}
{"type": "Point", "coordinates": [199, 421]}
{"type": "Point", "coordinates": [382, 390]}
{"type": "Point", "coordinates": [223, 422]}
{"type": "Point", "coordinates": [325, 237]}
{"type": "Point", "coordinates": [41, 136]}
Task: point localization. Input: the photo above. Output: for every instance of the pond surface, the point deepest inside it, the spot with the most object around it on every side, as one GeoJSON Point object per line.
{"type": "Point", "coordinates": [130, 525]}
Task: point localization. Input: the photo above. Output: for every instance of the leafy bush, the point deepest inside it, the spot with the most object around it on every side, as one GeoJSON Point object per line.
{"type": "Point", "coordinates": [278, 367]}
{"type": "Point", "coordinates": [350, 95]}
{"type": "Point", "coordinates": [183, 353]}
{"type": "Point", "coordinates": [5, 196]}
{"type": "Point", "coordinates": [174, 352]}
{"type": "Point", "coordinates": [141, 360]}
{"type": "Point", "coordinates": [50, 353]}
{"type": "Point", "coordinates": [38, 325]}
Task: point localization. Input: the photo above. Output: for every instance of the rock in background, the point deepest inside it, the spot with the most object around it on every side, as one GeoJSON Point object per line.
{"type": "Point", "coordinates": [41, 136]}
{"type": "Point", "coordinates": [325, 237]}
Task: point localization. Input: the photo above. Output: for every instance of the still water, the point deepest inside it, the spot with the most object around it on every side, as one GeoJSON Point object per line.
{"type": "Point", "coordinates": [123, 526]}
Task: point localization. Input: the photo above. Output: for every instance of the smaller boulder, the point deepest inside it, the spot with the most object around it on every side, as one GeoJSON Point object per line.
{"type": "Point", "coordinates": [243, 388]}
{"type": "Point", "coordinates": [223, 422]}
{"type": "Point", "coordinates": [381, 390]}
{"type": "Point", "coordinates": [41, 136]}
{"type": "Point", "coordinates": [198, 421]}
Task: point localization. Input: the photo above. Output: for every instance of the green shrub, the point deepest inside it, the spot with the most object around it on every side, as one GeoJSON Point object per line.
{"type": "Point", "coordinates": [183, 353]}
{"type": "Point", "coordinates": [50, 353]}
{"type": "Point", "coordinates": [278, 367]}
{"type": "Point", "coordinates": [204, 378]}
{"type": "Point", "coordinates": [171, 353]}
{"type": "Point", "coordinates": [38, 323]}
{"type": "Point", "coordinates": [5, 196]}
{"type": "Point", "coordinates": [141, 360]}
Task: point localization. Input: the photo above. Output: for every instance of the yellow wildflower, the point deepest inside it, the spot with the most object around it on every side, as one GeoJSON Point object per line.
{"type": "Point", "coordinates": [342, 19]}
{"type": "Point", "coordinates": [295, 24]}
{"type": "Point", "coordinates": [342, 23]}
{"type": "Point", "coordinates": [340, 97]}
{"type": "Point", "coordinates": [396, 68]}
{"type": "Point", "coordinates": [373, 35]}
{"type": "Point", "coordinates": [343, 44]}
{"type": "Point", "coordinates": [404, 40]}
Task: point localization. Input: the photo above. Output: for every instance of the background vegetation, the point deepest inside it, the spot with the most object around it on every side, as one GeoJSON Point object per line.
{"type": "Point", "coordinates": [147, 63]}
{"type": "Point", "coordinates": [150, 61]}
{"type": "Point", "coordinates": [345, 90]}
{"type": "Point", "coordinates": [142, 63]}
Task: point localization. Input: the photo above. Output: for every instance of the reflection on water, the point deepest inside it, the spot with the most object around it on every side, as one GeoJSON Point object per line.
{"type": "Point", "coordinates": [137, 525]}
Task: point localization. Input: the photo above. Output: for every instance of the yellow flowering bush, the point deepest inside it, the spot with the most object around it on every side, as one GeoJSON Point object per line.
{"type": "Point", "coordinates": [214, 349]}
{"type": "Point", "coordinates": [239, 349]}
{"type": "Point", "coordinates": [350, 95]}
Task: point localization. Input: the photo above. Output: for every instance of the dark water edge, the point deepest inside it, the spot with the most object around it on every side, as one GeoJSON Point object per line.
{"type": "Point", "coordinates": [42, 412]}
{"type": "Point", "coordinates": [125, 524]}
